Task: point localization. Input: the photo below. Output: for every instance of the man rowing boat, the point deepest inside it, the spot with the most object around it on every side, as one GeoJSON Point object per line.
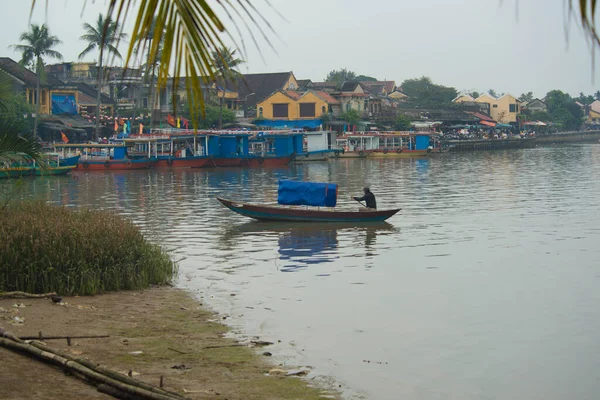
{"type": "Point", "coordinates": [368, 198]}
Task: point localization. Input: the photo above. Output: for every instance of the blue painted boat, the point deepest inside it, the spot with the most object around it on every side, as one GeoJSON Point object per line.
{"type": "Point", "coordinates": [68, 161]}
{"type": "Point", "coordinates": [278, 213]}
{"type": "Point", "coordinates": [306, 194]}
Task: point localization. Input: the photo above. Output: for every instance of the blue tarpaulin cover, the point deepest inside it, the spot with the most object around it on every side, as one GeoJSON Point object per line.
{"type": "Point", "coordinates": [316, 194]}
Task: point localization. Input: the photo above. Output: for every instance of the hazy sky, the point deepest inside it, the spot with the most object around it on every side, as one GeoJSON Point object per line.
{"type": "Point", "coordinates": [511, 46]}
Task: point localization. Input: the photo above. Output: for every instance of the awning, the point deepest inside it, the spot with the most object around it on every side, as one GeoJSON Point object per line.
{"type": "Point", "coordinates": [487, 123]}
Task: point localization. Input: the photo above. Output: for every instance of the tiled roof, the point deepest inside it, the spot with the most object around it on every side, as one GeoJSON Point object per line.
{"type": "Point", "coordinates": [481, 116]}
{"type": "Point", "coordinates": [349, 86]}
{"type": "Point", "coordinates": [262, 85]}
{"type": "Point", "coordinates": [293, 94]}
{"type": "Point", "coordinates": [330, 85]}
{"type": "Point", "coordinates": [23, 74]}
{"type": "Point", "coordinates": [327, 97]}
{"type": "Point", "coordinates": [302, 83]}
{"type": "Point", "coordinates": [389, 86]}
{"type": "Point", "coordinates": [351, 94]}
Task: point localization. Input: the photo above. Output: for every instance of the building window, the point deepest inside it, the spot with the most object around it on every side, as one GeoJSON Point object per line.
{"type": "Point", "coordinates": [495, 106]}
{"type": "Point", "coordinates": [260, 112]}
{"type": "Point", "coordinates": [43, 94]}
{"type": "Point", "coordinates": [280, 110]}
{"type": "Point", "coordinates": [307, 110]}
{"type": "Point", "coordinates": [323, 110]}
{"type": "Point", "coordinates": [513, 108]}
{"type": "Point", "coordinates": [348, 106]}
{"type": "Point", "coordinates": [292, 86]}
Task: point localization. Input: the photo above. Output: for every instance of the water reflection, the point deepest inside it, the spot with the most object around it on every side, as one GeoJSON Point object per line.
{"type": "Point", "coordinates": [300, 245]}
{"type": "Point", "coordinates": [494, 261]}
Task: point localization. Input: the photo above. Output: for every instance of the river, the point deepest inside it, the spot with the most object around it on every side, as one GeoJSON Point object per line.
{"type": "Point", "coordinates": [485, 286]}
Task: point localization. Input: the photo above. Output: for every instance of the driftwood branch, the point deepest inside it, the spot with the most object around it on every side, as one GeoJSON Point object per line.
{"type": "Point", "coordinates": [63, 337]}
{"type": "Point", "coordinates": [24, 295]}
{"type": "Point", "coordinates": [223, 346]}
{"type": "Point", "coordinates": [86, 369]}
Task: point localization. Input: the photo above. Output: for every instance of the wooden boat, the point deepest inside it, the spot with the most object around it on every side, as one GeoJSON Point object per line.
{"type": "Point", "coordinates": [178, 162]}
{"type": "Point", "coordinates": [17, 172]}
{"type": "Point", "coordinates": [279, 213]}
{"type": "Point", "coordinates": [249, 161]}
{"type": "Point", "coordinates": [103, 157]}
{"type": "Point", "coordinates": [115, 165]}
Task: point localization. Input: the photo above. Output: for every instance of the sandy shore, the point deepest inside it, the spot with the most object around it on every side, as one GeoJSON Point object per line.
{"type": "Point", "coordinates": [157, 332]}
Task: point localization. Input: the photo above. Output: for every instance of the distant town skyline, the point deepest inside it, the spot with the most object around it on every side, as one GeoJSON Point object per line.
{"type": "Point", "coordinates": [510, 47]}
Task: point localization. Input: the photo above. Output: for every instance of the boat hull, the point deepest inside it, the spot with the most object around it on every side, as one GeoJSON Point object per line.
{"type": "Point", "coordinates": [18, 172]}
{"type": "Point", "coordinates": [190, 162]}
{"type": "Point", "coordinates": [314, 156]}
{"type": "Point", "coordinates": [114, 165]}
{"type": "Point", "coordinates": [248, 162]}
{"type": "Point", "coordinates": [273, 213]}
{"type": "Point", "coordinates": [352, 154]}
{"type": "Point", "coordinates": [403, 154]}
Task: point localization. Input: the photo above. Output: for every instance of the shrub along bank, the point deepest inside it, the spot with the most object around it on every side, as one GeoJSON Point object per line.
{"type": "Point", "coordinates": [47, 248]}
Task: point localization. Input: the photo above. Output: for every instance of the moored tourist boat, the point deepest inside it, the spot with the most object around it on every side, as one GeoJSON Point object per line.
{"type": "Point", "coordinates": [103, 157]}
{"type": "Point", "coordinates": [21, 171]}
{"type": "Point", "coordinates": [293, 193]}
{"type": "Point", "coordinates": [317, 146]}
{"type": "Point", "coordinates": [406, 144]}
{"type": "Point", "coordinates": [171, 150]}
{"type": "Point", "coordinates": [356, 145]}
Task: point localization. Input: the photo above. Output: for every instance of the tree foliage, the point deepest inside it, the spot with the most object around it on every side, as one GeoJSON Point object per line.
{"type": "Point", "coordinates": [402, 123]}
{"type": "Point", "coordinates": [210, 118]}
{"type": "Point", "coordinates": [492, 93]}
{"type": "Point", "coordinates": [474, 94]}
{"type": "Point", "coordinates": [526, 97]}
{"type": "Point", "coordinates": [563, 111]}
{"type": "Point", "coordinates": [340, 75]}
{"type": "Point", "coordinates": [352, 117]}
{"type": "Point", "coordinates": [584, 99]}
{"type": "Point", "coordinates": [423, 93]}
{"type": "Point", "coordinates": [16, 142]}
{"type": "Point", "coordinates": [365, 78]}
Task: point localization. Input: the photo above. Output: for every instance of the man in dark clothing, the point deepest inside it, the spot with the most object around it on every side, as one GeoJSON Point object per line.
{"type": "Point", "coordinates": [368, 198]}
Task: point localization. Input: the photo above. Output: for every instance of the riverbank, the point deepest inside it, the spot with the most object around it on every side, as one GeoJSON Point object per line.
{"type": "Point", "coordinates": [153, 333]}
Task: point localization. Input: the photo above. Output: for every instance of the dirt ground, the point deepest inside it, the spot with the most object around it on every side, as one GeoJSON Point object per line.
{"type": "Point", "coordinates": [154, 333]}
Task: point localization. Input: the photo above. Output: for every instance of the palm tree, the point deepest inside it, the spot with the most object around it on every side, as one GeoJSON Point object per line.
{"type": "Point", "coordinates": [225, 63]}
{"type": "Point", "coordinates": [191, 30]}
{"type": "Point", "coordinates": [38, 43]}
{"type": "Point", "coordinates": [105, 37]}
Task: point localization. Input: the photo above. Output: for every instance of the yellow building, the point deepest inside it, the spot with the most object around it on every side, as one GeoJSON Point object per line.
{"type": "Point", "coordinates": [503, 109]}
{"type": "Point", "coordinates": [291, 105]}
{"type": "Point", "coordinates": [464, 98]}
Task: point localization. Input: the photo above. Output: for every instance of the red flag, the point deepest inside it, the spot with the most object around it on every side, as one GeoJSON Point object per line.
{"type": "Point", "coordinates": [64, 137]}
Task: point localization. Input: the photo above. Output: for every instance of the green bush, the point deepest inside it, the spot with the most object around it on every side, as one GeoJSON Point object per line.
{"type": "Point", "coordinates": [46, 248]}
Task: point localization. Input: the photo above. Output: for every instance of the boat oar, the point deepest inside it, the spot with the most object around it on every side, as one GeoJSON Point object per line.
{"type": "Point", "coordinates": [359, 202]}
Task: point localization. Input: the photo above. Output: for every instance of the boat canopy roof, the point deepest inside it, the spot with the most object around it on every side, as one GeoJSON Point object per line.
{"type": "Point", "coordinates": [88, 145]}
{"type": "Point", "coordinates": [293, 193]}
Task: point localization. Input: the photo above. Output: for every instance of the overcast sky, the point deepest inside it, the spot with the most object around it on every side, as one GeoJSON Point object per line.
{"type": "Point", "coordinates": [510, 46]}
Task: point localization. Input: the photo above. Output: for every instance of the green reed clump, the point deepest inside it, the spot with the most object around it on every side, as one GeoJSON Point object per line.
{"type": "Point", "coordinates": [47, 248]}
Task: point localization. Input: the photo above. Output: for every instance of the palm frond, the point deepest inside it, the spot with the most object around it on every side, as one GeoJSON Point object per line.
{"type": "Point", "coordinates": [53, 54]}
{"type": "Point", "coordinates": [189, 30]}
{"type": "Point", "coordinates": [91, 47]}
{"type": "Point", "coordinates": [113, 51]}
{"type": "Point", "coordinates": [16, 148]}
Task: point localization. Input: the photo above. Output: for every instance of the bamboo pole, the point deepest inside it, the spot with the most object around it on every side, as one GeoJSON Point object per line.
{"type": "Point", "coordinates": [78, 368]}
{"type": "Point", "coordinates": [41, 337]}
{"type": "Point", "coordinates": [105, 371]}
{"type": "Point", "coordinates": [24, 295]}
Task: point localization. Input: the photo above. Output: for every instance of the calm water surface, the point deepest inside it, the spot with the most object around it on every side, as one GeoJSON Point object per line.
{"type": "Point", "coordinates": [486, 286]}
